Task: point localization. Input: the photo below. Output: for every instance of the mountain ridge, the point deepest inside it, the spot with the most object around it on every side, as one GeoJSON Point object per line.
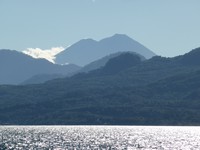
{"type": "Point", "coordinates": [17, 67]}
{"type": "Point", "coordinates": [78, 52]}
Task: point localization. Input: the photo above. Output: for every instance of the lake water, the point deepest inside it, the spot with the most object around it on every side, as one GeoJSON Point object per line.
{"type": "Point", "coordinates": [99, 137]}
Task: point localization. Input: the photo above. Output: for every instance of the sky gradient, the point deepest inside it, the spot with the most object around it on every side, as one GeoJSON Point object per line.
{"type": "Point", "coordinates": [167, 27]}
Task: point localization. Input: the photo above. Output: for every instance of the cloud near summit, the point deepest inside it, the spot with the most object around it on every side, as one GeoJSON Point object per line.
{"type": "Point", "coordinates": [48, 54]}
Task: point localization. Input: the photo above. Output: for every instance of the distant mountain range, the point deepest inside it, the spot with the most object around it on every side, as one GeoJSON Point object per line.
{"type": "Point", "coordinates": [88, 50]}
{"type": "Point", "coordinates": [17, 67]}
{"type": "Point", "coordinates": [125, 91]}
{"type": "Point", "coordinates": [41, 78]}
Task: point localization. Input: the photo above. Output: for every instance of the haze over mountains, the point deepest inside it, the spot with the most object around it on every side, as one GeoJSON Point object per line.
{"type": "Point", "coordinates": [41, 78]}
{"type": "Point", "coordinates": [127, 90]}
{"type": "Point", "coordinates": [18, 68]}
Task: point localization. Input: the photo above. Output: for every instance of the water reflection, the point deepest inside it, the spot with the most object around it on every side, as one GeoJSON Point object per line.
{"type": "Point", "coordinates": [98, 137]}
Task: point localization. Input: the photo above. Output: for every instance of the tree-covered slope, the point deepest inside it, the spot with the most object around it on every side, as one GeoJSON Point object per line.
{"type": "Point", "coordinates": [159, 91]}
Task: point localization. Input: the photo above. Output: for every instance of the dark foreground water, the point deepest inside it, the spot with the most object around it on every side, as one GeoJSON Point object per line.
{"type": "Point", "coordinates": [99, 137]}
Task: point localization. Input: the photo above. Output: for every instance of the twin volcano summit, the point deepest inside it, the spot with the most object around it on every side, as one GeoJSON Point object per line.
{"type": "Point", "coordinates": [88, 50]}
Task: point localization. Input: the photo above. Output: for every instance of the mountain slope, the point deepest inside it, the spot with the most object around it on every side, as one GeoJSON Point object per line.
{"type": "Point", "coordinates": [121, 42]}
{"type": "Point", "coordinates": [17, 67]}
{"type": "Point", "coordinates": [158, 91]}
{"type": "Point", "coordinates": [191, 58]}
{"type": "Point", "coordinates": [88, 50]}
{"type": "Point", "coordinates": [102, 62]}
{"type": "Point", "coordinates": [42, 78]}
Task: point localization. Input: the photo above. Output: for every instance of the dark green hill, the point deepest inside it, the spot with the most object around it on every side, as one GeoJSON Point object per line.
{"type": "Point", "coordinates": [101, 62]}
{"type": "Point", "coordinates": [120, 63]}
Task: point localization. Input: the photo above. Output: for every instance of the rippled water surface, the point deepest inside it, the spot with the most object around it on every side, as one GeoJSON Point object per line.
{"type": "Point", "coordinates": [99, 137]}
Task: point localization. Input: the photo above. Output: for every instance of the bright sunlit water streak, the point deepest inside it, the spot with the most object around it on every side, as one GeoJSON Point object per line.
{"type": "Point", "coordinates": [99, 137]}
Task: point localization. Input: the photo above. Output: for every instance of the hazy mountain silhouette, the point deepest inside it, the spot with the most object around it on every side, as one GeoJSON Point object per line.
{"type": "Point", "coordinates": [121, 62]}
{"type": "Point", "coordinates": [101, 62]}
{"type": "Point", "coordinates": [88, 50]}
{"type": "Point", "coordinates": [41, 78]}
{"type": "Point", "coordinates": [113, 66]}
{"type": "Point", "coordinates": [17, 67]}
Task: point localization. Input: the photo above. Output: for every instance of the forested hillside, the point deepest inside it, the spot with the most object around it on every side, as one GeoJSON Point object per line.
{"type": "Point", "coordinates": [127, 90]}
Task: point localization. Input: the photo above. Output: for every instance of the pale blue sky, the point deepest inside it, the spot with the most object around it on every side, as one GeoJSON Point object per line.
{"type": "Point", "coordinates": [167, 27]}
